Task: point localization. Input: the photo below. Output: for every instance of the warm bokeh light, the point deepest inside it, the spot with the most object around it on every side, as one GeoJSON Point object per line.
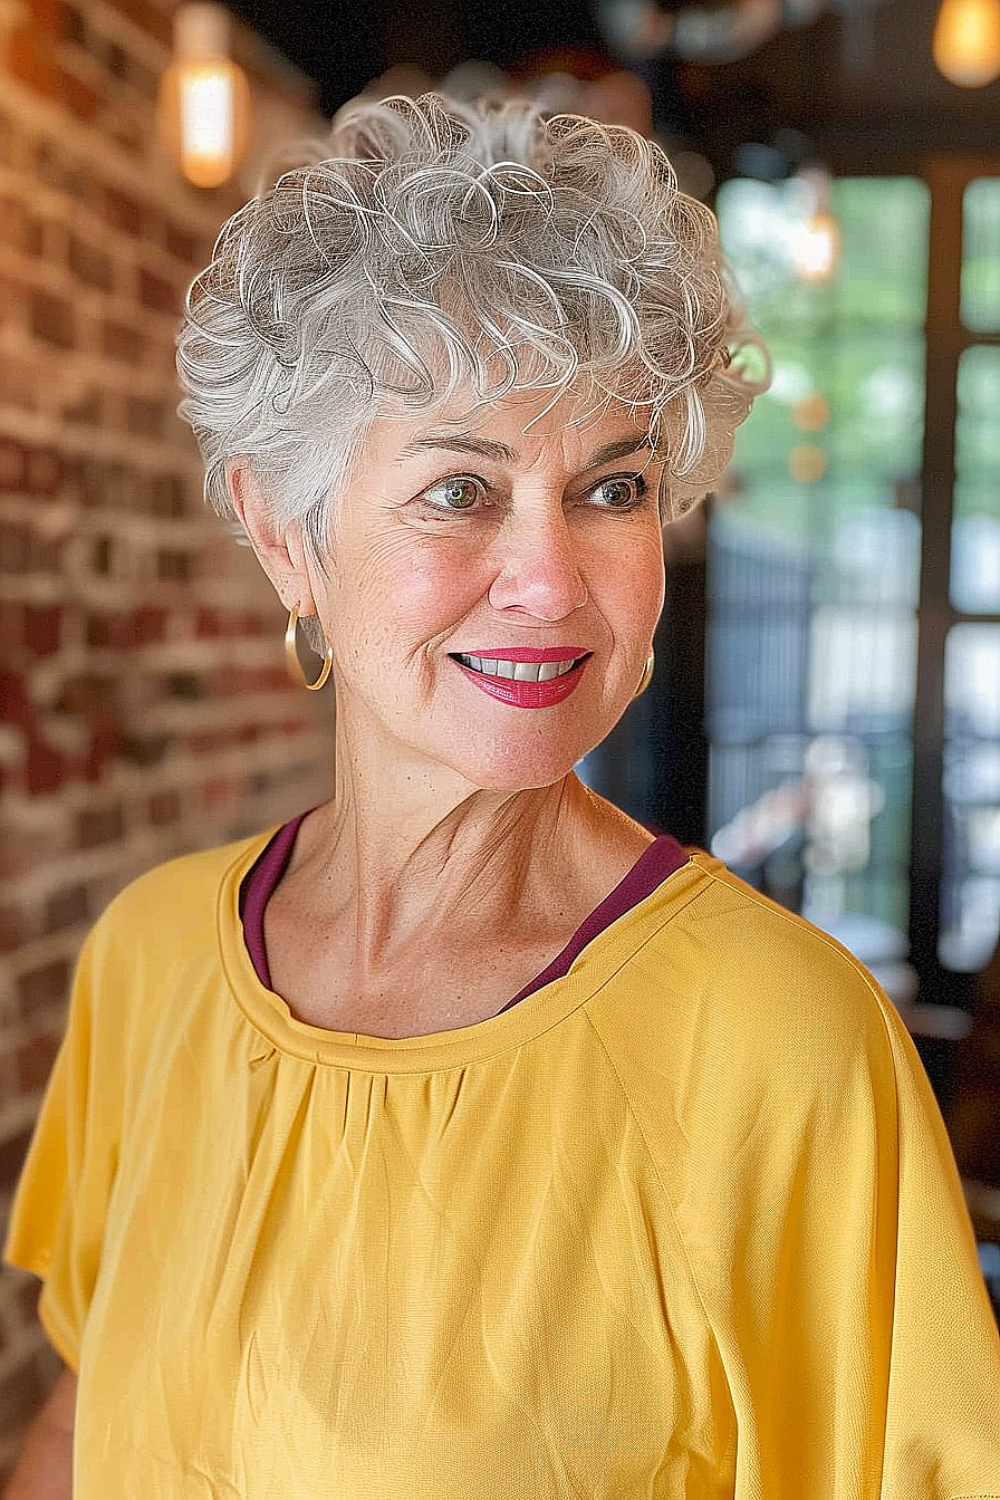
{"type": "Point", "coordinates": [967, 42]}
{"type": "Point", "coordinates": [807, 463]}
{"type": "Point", "coordinates": [811, 413]}
{"type": "Point", "coordinates": [203, 113]}
{"type": "Point", "coordinates": [815, 246]}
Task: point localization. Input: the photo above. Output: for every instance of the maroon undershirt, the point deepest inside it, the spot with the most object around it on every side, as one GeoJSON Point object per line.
{"type": "Point", "coordinates": [662, 858]}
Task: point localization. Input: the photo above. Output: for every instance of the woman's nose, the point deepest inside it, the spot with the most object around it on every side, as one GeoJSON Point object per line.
{"type": "Point", "coordinates": [540, 569]}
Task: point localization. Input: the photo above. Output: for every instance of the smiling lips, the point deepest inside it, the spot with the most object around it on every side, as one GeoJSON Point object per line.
{"type": "Point", "coordinates": [525, 676]}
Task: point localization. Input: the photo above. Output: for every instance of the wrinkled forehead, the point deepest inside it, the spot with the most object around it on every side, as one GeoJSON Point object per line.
{"type": "Point", "coordinates": [534, 415]}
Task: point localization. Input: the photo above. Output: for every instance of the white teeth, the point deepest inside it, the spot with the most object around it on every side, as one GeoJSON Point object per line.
{"type": "Point", "coordinates": [520, 671]}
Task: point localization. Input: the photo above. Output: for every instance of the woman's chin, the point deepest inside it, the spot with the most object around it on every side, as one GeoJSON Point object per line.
{"type": "Point", "coordinates": [521, 770]}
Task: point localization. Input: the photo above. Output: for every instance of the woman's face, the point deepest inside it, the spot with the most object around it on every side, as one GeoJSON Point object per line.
{"type": "Point", "coordinates": [467, 535]}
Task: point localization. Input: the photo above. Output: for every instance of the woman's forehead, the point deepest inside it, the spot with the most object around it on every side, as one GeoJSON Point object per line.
{"type": "Point", "coordinates": [514, 424]}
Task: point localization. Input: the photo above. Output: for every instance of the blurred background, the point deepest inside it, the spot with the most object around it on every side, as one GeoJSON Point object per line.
{"type": "Point", "coordinates": [825, 712]}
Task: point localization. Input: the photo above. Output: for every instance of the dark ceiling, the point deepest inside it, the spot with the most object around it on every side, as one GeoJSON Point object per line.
{"type": "Point", "coordinates": [858, 82]}
{"type": "Point", "coordinates": [344, 45]}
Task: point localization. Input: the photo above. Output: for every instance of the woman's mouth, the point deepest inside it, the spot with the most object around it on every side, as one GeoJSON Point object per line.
{"type": "Point", "coordinates": [523, 684]}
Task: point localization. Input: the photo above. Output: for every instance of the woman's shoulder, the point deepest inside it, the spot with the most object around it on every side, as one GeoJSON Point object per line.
{"type": "Point", "coordinates": [175, 898]}
{"type": "Point", "coordinates": [735, 986]}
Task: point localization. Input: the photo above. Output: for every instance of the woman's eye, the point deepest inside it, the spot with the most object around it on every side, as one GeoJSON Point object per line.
{"type": "Point", "coordinates": [623, 492]}
{"type": "Point", "coordinates": [453, 494]}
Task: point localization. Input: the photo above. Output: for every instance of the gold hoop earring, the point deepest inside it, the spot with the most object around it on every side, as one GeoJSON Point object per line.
{"type": "Point", "coordinates": [647, 676]}
{"type": "Point", "coordinates": [292, 656]}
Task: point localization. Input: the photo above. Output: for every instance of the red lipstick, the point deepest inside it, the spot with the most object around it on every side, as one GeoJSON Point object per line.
{"type": "Point", "coordinates": [527, 653]}
{"type": "Point", "coordinates": [527, 694]}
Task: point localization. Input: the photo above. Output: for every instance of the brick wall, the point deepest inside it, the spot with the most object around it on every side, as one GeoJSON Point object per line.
{"type": "Point", "coordinates": [144, 707]}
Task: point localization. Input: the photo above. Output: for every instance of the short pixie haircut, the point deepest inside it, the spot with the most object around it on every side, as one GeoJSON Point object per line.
{"type": "Point", "coordinates": [429, 247]}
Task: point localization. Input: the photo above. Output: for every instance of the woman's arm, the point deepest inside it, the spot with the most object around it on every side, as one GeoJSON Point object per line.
{"type": "Point", "coordinates": [45, 1469]}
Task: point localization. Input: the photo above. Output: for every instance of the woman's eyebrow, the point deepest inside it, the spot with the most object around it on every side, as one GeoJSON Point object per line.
{"type": "Point", "coordinates": [500, 452]}
{"type": "Point", "coordinates": [432, 441]}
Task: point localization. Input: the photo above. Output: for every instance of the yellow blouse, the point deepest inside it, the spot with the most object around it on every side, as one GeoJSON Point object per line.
{"type": "Point", "coordinates": [683, 1224]}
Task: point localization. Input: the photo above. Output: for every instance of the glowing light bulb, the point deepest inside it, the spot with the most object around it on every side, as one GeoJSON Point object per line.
{"type": "Point", "coordinates": [815, 246]}
{"type": "Point", "coordinates": [966, 42]}
{"type": "Point", "coordinates": [203, 114]}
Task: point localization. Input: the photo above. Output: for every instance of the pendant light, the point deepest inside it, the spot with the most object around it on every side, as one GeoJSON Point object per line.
{"type": "Point", "coordinates": [203, 111]}
{"type": "Point", "coordinates": [967, 42]}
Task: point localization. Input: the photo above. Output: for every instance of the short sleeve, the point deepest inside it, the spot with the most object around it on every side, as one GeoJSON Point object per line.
{"type": "Point", "coordinates": [845, 1290]}
{"type": "Point", "coordinates": [942, 1413]}
{"type": "Point", "coordinates": [56, 1226]}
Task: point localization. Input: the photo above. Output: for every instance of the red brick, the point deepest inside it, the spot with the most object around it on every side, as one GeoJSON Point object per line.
{"type": "Point", "coordinates": [15, 929]}
{"type": "Point", "coordinates": [124, 344]}
{"type": "Point", "coordinates": [173, 565]}
{"type": "Point", "coordinates": [22, 550]}
{"type": "Point", "coordinates": [168, 495]}
{"type": "Point", "coordinates": [52, 168]}
{"type": "Point", "coordinates": [16, 706]}
{"type": "Point", "coordinates": [123, 212]}
{"type": "Point", "coordinates": [44, 986]}
{"type": "Point", "coordinates": [99, 825]}
{"type": "Point", "coordinates": [89, 695]}
{"type": "Point", "coordinates": [46, 16]}
{"type": "Point", "coordinates": [11, 629]}
{"type": "Point", "coordinates": [145, 79]}
{"type": "Point", "coordinates": [208, 623]}
{"type": "Point", "coordinates": [99, 629]}
{"type": "Point", "coordinates": [47, 768]}
{"type": "Point", "coordinates": [186, 247]}
{"type": "Point", "coordinates": [12, 1154]}
{"type": "Point", "coordinates": [105, 745]}
{"type": "Point", "coordinates": [13, 464]}
{"type": "Point", "coordinates": [88, 410]}
{"type": "Point", "coordinates": [115, 630]}
{"type": "Point", "coordinates": [34, 1061]}
{"type": "Point", "coordinates": [145, 418]}
{"type": "Point", "coordinates": [206, 741]}
{"type": "Point", "coordinates": [158, 294]}
{"type": "Point", "coordinates": [66, 908]}
{"type": "Point", "coordinates": [44, 471]}
{"type": "Point", "coordinates": [51, 318]}
{"type": "Point", "coordinates": [82, 101]}
{"type": "Point", "coordinates": [146, 16]}
{"type": "Point", "coordinates": [149, 625]}
{"type": "Point", "coordinates": [15, 548]}
{"type": "Point", "coordinates": [72, 25]}
{"type": "Point", "coordinates": [144, 750]}
{"type": "Point", "coordinates": [29, 60]}
{"type": "Point", "coordinates": [41, 627]}
{"type": "Point", "coordinates": [116, 59]}
{"type": "Point", "coordinates": [89, 264]}
{"type": "Point", "coordinates": [101, 551]}
{"type": "Point", "coordinates": [218, 790]}
{"type": "Point", "coordinates": [19, 229]}
{"type": "Point", "coordinates": [20, 379]}
{"type": "Point", "coordinates": [164, 807]}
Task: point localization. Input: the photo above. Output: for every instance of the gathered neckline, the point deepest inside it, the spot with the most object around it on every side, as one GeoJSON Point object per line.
{"type": "Point", "coordinates": [607, 933]}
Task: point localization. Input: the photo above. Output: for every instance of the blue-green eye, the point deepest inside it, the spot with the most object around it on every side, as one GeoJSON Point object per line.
{"type": "Point", "coordinates": [624, 491]}
{"type": "Point", "coordinates": [456, 494]}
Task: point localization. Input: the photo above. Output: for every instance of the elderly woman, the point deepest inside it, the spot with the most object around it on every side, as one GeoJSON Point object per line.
{"type": "Point", "coordinates": [460, 1138]}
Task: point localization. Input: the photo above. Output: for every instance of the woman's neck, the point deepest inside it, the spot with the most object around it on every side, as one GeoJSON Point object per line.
{"type": "Point", "coordinates": [397, 859]}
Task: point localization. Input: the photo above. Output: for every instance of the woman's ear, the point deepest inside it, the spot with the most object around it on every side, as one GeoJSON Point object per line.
{"type": "Point", "coordinates": [281, 555]}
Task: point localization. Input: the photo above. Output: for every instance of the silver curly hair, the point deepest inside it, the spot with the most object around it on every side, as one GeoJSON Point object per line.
{"type": "Point", "coordinates": [429, 247]}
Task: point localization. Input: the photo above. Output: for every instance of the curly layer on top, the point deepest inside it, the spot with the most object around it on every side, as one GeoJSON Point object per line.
{"type": "Point", "coordinates": [428, 248]}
